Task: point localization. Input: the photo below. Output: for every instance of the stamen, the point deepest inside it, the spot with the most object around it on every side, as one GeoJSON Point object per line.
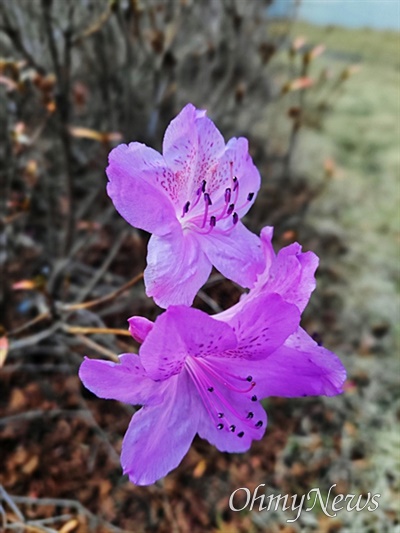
{"type": "Point", "coordinates": [185, 208]}
{"type": "Point", "coordinates": [240, 435]}
{"type": "Point", "coordinates": [254, 398]}
{"type": "Point", "coordinates": [249, 378]}
{"type": "Point", "coordinates": [232, 428]}
{"type": "Point", "coordinates": [250, 196]}
{"type": "Point", "coordinates": [207, 200]}
{"type": "Point", "coordinates": [220, 426]}
{"type": "Point", "coordinates": [235, 183]}
{"type": "Point", "coordinates": [218, 377]}
{"type": "Point", "coordinates": [201, 376]}
{"type": "Point", "coordinates": [235, 218]}
{"type": "Point", "coordinates": [210, 389]}
{"type": "Point", "coordinates": [250, 415]}
{"type": "Point", "coordinates": [220, 415]}
{"type": "Point", "coordinates": [259, 424]}
{"type": "Point", "coordinates": [213, 221]}
{"type": "Point", "coordinates": [230, 209]}
{"type": "Point", "coordinates": [228, 195]}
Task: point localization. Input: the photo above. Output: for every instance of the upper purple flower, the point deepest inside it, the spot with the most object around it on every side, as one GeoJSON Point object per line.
{"type": "Point", "coordinates": [191, 198]}
{"type": "Point", "coordinates": [201, 374]}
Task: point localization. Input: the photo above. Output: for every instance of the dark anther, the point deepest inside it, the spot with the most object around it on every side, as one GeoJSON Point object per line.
{"type": "Point", "coordinates": [249, 378]}
{"type": "Point", "coordinates": [211, 389]}
{"type": "Point", "coordinates": [228, 195]}
{"type": "Point", "coordinates": [250, 415]}
{"type": "Point", "coordinates": [259, 424]}
{"type": "Point", "coordinates": [250, 196]}
{"type": "Point", "coordinates": [213, 221]}
{"type": "Point", "coordinates": [254, 398]}
{"type": "Point", "coordinates": [235, 183]}
{"type": "Point", "coordinates": [235, 218]}
{"type": "Point", "coordinates": [203, 186]}
{"type": "Point", "coordinates": [240, 434]}
{"type": "Point", "coordinates": [232, 427]}
{"type": "Point", "coordinates": [186, 207]}
{"type": "Point", "coordinates": [230, 209]}
{"type": "Point", "coordinates": [207, 198]}
{"type": "Point", "coordinates": [220, 415]}
{"type": "Point", "coordinates": [220, 426]}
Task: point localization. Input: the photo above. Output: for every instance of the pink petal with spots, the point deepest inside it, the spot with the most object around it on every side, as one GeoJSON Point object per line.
{"type": "Point", "coordinates": [262, 324]}
{"type": "Point", "coordinates": [181, 332]}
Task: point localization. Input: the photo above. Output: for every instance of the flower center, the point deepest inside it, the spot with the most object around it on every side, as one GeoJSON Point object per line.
{"type": "Point", "coordinates": [203, 213]}
{"type": "Point", "coordinates": [215, 387]}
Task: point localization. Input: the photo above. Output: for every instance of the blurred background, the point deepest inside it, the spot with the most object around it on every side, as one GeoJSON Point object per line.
{"type": "Point", "coordinates": [314, 85]}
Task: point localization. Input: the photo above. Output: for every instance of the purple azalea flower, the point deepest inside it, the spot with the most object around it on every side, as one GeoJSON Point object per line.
{"type": "Point", "coordinates": [191, 198]}
{"type": "Point", "coordinates": [205, 375]}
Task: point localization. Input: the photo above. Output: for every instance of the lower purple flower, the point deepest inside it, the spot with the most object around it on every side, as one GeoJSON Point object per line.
{"type": "Point", "coordinates": [198, 375]}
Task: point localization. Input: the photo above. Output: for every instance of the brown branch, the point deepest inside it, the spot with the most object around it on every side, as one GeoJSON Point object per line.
{"type": "Point", "coordinates": [104, 299]}
{"type": "Point", "coordinates": [79, 330]}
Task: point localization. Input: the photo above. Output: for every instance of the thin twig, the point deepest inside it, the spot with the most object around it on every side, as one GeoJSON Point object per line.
{"type": "Point", "coordinates": [78, 330]}
{"type": "Point", "coordinates": [104, 299]}
{"type": "Point", "coordinates": [90, 343]}
{"type": "Point", "coordinates": [29, 324]}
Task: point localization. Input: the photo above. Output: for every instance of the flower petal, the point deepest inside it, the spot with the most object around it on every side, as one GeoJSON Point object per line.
{"type": "Point", "coordinates": [137, 176]}
{"type": "Point", "coordinates": [237, 256]}
{"type": "Point", "coordinates": [176, 268]}
{"type": "Point", "coordinates": [262, 325]}
{"type": "Point", "coordinates": [192, 147]}
{"type": "Point", "coordinates": [301, 368]}
{"type": "Point", "coordinates": [140, 327]}
{"type": "Point", "coordinates": [180, 148]}
{"type": "Point", "coordinates": [182, 332]}
{"type": "Point", "coordinates": [125, 381]}
{"type": "Point", "coordinates": [158, 437]}
{"type": "Point", "coordinates": [291, 273]}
